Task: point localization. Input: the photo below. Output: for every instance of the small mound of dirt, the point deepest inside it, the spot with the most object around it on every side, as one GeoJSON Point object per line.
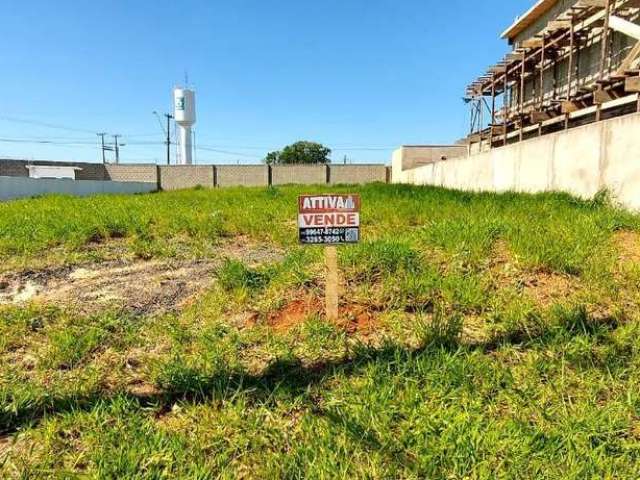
{"type": "Point", "coordinates": [357, 319]}
{"type": "Point", "coordinates": [294, 313]}
{"type": "Point", "coordinates": [353, 318]}
{"type": "Point", "coordinates": [142, 390]}
{"type": "Point", "coordinates": [628, 246]}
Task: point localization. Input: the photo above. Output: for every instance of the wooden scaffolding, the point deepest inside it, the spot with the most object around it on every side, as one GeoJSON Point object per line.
{"type": "Point", "coordinates": [540, 86]}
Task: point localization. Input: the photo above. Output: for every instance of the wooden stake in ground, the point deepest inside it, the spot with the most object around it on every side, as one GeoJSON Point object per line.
{"type": "Point", "coordinates": [332, 293]}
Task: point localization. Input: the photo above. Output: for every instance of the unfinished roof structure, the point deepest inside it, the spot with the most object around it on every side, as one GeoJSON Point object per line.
{"type": "Point", "coordinates": [573, 62]}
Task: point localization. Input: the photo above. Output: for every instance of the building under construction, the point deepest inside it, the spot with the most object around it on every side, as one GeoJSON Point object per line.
{"type": "Point", "coordinates": [560, 112]}
{"type": "Point", "coordinates": [573, 62]}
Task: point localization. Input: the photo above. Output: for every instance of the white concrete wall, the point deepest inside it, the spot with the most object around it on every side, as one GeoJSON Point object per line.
{"type": "Point", "coordinates": [20, 187]}
{"type": "Point", "coordinates": [580, 161]}
{"type": "Point", "coordinates": [409, 157]}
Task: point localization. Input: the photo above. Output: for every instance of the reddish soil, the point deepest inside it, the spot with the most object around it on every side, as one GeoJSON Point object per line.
{"type": "Point", "coordinates": [353, 318]}
{"type": "Point", "coordinates": [294, 314]}
{"type": "Point", "coordinates": [357, 319]}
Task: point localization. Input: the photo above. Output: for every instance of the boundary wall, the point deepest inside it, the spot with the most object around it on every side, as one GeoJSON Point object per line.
{"type": "Point", "coordinates": [177, 177]}
{"type": "Point", "coordinates": [581, 161]}
{"type": "Point", "coordinates": [20, 187]}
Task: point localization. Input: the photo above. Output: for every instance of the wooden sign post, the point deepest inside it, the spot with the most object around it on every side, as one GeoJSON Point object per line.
{"type": "Point", "coordinates": [332, 288]}
{"type": "Point", "coordinates": [329, 220]}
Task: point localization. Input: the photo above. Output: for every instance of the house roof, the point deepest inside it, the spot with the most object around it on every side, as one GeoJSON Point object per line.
{"type": "Point", "coordinates": [529, 18]}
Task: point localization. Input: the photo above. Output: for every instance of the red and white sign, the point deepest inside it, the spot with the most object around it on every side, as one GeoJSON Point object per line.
{"type": "Point", "coordinates": [329, 219]}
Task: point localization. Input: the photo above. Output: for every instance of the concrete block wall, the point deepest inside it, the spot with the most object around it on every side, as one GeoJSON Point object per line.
{"type": "Point", "coordinates": [90, 171]}
{"type": "Point", "coordinates": [177, 177]}
{"type": "Point", "coordinates": [242, 175]}
{"type": "Point", "coordinates": [299, 174]}
{"type": "Point", "coordinates": [580, 161]}
{"type": "Point", "coordinates": [357, 174]}
{"type": "Point", "coordinates": [13, 168]}
{"type": "Point", "coordinates": [181, 177]}
{"type": "Point", "coordinates": [132, 173]}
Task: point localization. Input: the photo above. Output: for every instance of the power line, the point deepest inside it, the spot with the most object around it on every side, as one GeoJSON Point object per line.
{"type": "Point", "coordinates": [226, 152]}
{"type": "Point", "coordinates": [216, 148]}
{"type": "Point", "coordinates": [46, 142]}
{"type": "Point", "coordinates": [45, 124]}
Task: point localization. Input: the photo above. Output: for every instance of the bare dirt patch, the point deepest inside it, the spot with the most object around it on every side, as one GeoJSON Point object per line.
{"type": "Point", "coordinates": [138, 286]}
{"type": "Point", "coordinates": [628, 245]}
{"type": "Point", "coordinates": [501, 254]}
{"type": "Point", "coordinates": [474, 331]}
{"type": "Point", "coordinates": [294, 313]}
{"type": "Point", "coordinates": [546, 288]}
{"type": "Point", "coordinates": [542, 286]}
{"type": "Point", "coordinates": [5, 445]}
{"type": "Point", "coordinates": [353, 318]}
{"type": "Point", "coordinates": [503, 264]}
{"type": "Point", "coordinates": [141, 389]}
{"type": "Point", "coordinates": [358, 319]}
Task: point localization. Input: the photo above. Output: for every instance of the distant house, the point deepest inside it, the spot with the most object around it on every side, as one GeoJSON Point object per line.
{"type": "Point", "coordinates": [49, 171]}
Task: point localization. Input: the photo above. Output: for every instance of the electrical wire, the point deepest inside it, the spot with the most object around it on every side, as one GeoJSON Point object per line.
{"type": "Point", "coordinates": [44, 124]}
{"type": "Point", "coordinates": [212, 148]}
{"type": "Point", "coordinates": [338, 147]}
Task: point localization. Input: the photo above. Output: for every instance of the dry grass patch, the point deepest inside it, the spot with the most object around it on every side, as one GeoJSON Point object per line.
{"type": "Point", "coordinates": [547, 288]}
{"type": "Point", "coordinates": [142, 286]}
{"type": "Point", "coordinates": [543, 286]}
{"type": "Point", "coordinates": [627, 244]}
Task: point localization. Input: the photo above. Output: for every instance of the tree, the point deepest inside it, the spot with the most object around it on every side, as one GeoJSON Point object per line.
{"type": "Point", "coordinates": [272, 158]}
{"type": "Point", "coordinates": [307, 153]}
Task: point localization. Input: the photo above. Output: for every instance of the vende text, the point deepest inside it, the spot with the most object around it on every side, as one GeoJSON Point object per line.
{"type": "Point", "coordinates": [323, 220]}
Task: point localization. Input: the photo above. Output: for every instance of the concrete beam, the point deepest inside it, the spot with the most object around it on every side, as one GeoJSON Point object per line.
{"type": "Point", "coordinates": [624, 26]}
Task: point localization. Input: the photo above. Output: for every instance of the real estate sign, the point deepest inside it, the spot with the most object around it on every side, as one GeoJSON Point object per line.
{"type": "Point", "coordinates": [329, 219]}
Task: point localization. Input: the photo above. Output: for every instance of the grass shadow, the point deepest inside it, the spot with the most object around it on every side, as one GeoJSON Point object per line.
{"type": "Point", "coordinates": [288, 376]}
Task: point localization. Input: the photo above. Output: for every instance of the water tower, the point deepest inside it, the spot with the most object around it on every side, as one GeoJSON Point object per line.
{"type": "Point", "coordinates": [184, 101]}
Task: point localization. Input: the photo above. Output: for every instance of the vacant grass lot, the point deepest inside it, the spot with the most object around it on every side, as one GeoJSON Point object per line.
{"type": "Point", "coordinates": [482, 336]}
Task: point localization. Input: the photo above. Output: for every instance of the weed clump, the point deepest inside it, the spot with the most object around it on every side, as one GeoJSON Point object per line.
{"type": "Point", "coordinates": [235, 275]}
{"type": "Point", "coordinates": [441, 329]}
{"type": "Point", "coordinates": [369, 261]}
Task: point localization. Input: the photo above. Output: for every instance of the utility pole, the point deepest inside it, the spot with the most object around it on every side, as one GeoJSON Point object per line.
{"type": "Point", "coordinates": [169, 118]}
{"type": "Point", "coordinates": [117, 147]}
{"type": "Point", "coordinates": [102, 135]}
{"type": "Point", "coordinates": [166, 131]}
{"type": "Point", "coordinates": [195, 155]}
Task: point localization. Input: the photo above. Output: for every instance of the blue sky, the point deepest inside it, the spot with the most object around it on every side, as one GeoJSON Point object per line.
{"type": "Point", "coordinates": [361, 76]}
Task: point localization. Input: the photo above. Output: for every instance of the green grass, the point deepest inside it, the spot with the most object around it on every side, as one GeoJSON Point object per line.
{"type": "Point", "coordinates": [502, 343]}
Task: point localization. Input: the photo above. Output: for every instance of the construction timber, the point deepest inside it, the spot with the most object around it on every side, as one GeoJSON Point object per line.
{"type": "Point", "coordinates": [573, 62]}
